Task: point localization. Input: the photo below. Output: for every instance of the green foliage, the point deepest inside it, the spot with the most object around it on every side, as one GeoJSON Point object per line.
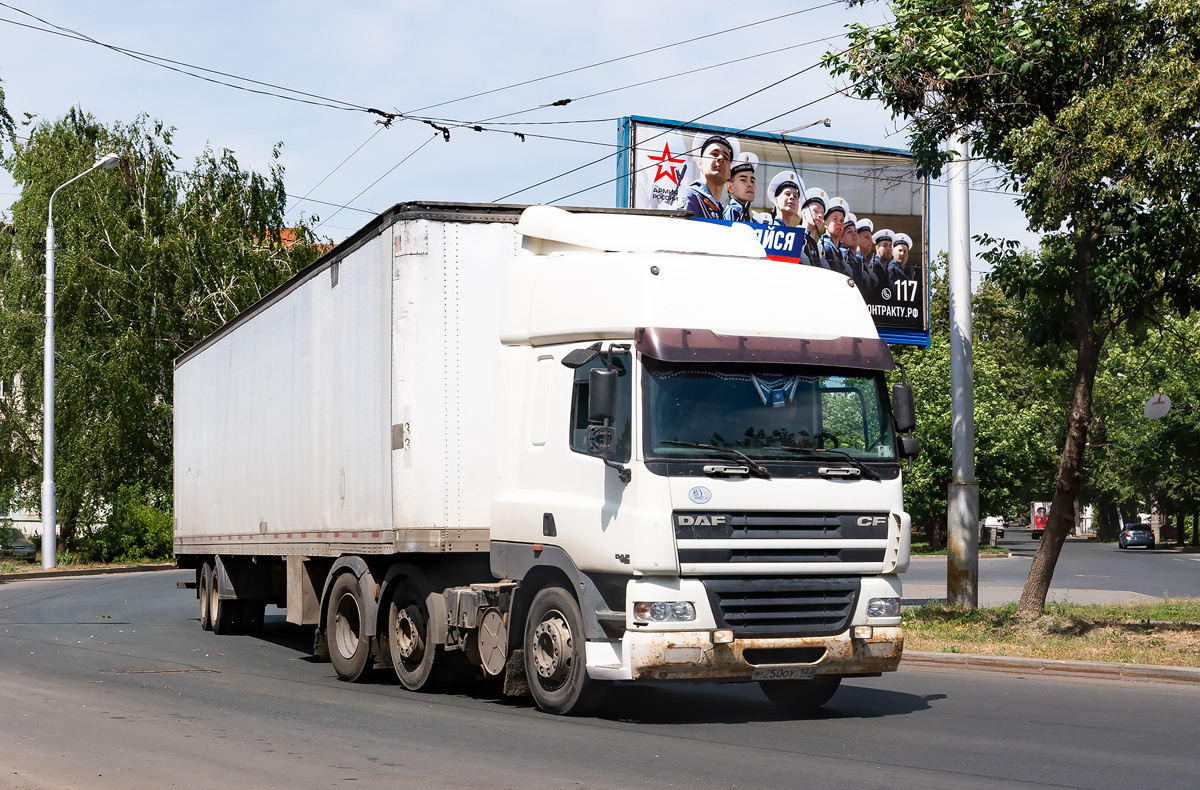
{"type": "Point", "coordinates": [1015, 413]}
{"type": "Point", "coordinates": [150, 260]}
{"type": "Point", "coordinates": [138, 528]}
{"type": "Point", "coordinates": [1090, 113]}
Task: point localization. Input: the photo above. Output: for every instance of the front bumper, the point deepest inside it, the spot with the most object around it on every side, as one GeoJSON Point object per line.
{"type": "Point", "coordinates": [691, 655]}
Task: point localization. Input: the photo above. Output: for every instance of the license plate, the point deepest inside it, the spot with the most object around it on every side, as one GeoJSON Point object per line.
{"type": "Point", "coordinates": [783, 673]}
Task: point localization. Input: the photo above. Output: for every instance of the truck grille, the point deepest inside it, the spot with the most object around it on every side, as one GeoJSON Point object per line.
{"type": "Point", "coordinates": [782, 607]}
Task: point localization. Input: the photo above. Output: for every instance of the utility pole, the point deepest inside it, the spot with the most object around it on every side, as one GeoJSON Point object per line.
{"type": "Point", "coordinates": [962, 551]}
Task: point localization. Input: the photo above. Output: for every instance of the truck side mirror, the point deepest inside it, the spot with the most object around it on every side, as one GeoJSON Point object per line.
{"type": "Point", "coordinates": [910, 447]}
{"type": "Point", "coordinates": [602, 395]}
{"type": "Point", "coordinates": [903, 412]}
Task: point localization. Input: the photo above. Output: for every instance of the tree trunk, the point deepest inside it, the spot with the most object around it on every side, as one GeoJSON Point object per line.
{"type": "Point", "coordinates": [1062, 510]}
{"type": "Point", "coordinates": [1196, 529]}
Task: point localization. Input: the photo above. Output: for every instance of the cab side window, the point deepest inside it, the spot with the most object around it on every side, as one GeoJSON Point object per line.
{"type": "Point", "coordinates": [624, 419]}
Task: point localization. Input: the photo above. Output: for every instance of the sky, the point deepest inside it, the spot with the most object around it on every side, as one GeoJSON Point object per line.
{"type": "Point", "coordinates": [421, 57]}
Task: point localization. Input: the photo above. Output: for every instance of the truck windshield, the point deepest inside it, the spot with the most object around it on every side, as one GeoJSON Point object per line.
{"type": "Point", "coordinates": [769, 413]}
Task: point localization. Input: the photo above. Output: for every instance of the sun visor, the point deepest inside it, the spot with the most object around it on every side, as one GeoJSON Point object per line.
{"type": "Point", "coordinates": [704, 345]}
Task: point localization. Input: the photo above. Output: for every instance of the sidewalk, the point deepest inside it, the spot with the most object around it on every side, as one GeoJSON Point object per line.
{"type": "Point", "coordinates": [65, 572]}
{"type": "Point", "coordinates": [1050, 667]}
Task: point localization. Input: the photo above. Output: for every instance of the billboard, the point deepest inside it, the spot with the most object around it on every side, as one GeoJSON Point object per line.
{"type": "Point", "coordinates": [663, 165]}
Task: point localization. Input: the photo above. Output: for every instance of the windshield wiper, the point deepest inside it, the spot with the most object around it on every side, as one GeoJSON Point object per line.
{"type": "Point", "coordinates": [754, 467]}
{"type": "Point", "coordinates": [867, 472]}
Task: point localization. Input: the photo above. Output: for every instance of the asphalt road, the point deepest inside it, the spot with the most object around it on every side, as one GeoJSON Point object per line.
{"type": "Point", "coordinates": [108, 682]}
{"type": "Point", "coordinates": [1087, 572]}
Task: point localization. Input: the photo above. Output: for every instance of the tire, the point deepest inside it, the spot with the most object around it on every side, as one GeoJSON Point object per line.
{"type": "Point", "coordinates": [349, 647]}
{"type": "Point", "coordinates": [1151, 546]}
{"type": "Point", "coordinates": [413, 657]}
{"type": "Point", "coordinates": [801, 696]}
{"type": "Point", "coordinates": [204, 584]}
{"type": "Point", "coordinates": [224, 615]}
{"type": "Point", "coordinates": [555, 654]}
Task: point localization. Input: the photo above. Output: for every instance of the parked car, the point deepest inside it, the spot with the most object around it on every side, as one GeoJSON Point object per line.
{"type": "Point", "coordinates": [1138, 534]}
{"type": "Point", "coordinates": [992, 522]}
{"type": "Point", "coordinates": [15, 544]}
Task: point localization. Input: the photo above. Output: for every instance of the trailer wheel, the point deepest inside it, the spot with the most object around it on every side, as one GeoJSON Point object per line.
{"type": "Point", "coordinates": [555, 661]}
{"type": "Point", "coordinates": [348, 646]}
{"type": "Point", "coordinates": [408, 636]}
{"type": "Point", "coordinates": [205, 584]}
{"type": "Point", "coordinates": [222, 614]}
{"type": "Point", "coordinates": [801, 696]}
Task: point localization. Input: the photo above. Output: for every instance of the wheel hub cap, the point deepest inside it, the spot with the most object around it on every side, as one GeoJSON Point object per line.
{"type": "Point", "coordinates": [552, 649]}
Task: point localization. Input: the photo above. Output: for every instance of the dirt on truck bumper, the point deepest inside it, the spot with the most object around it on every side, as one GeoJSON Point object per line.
{"type": "Point", "coordinates": [692, 655]}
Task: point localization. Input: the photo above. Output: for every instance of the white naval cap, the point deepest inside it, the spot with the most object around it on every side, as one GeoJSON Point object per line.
{"type": "Point", "coordinates": [866, 224]}
{"type": "Point", "coordinates": [837, 204]}
{"type": "Point", "coordinates": [703, 140]}
{"type": "Point", "coordinates": [785, 179]}
{"type": "Point", "coordinates": [851, 221]}
{"type": "Point", "coordinates": [746, 161]}
{"type": "Point", "coordinates": [886, 233]}
{"type": "Point", "coordinates": [815, 195]}
{"type": "Point", "coordinates": [903, 238]}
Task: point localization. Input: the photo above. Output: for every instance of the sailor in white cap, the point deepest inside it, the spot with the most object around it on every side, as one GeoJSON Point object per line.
{"type": "Point", "coordinates": [741, 188]}
{"type": "Point", "coordinates": [714, 155]}
{"type": "Point", "coordinates": [850, 242]}
{"type": "Point", "coordinates": [785, 190]}
{"type": "Point", "coordinates": [866, 246]}
{"type": "Point", "coordinates": [883, 255]}
{"type": "Point", "coordinates": [836, 209]}
{"type": "Point", "coordinates": [813, 213]}
{"type": "Point", "coordinates": [901, 248]}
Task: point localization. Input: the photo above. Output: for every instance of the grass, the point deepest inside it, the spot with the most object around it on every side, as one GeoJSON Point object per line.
{"type": "Point", "coordinates": [66, 561]}
{"type": "Point", "coordinates": [922, 548]}
{"type": "Point", "coordinates": [1164, 633]}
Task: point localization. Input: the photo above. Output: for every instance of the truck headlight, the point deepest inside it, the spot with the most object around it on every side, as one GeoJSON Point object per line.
{"type": "Point", "coordinates": [883, 607]}
{"type": "Point", "coordinates": [664, 611]}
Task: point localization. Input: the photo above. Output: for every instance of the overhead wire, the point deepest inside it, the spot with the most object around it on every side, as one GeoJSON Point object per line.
{"type": "Point", "coordinates": [722, 32]}
{"type": "Point", "coordinates": [376, 181]}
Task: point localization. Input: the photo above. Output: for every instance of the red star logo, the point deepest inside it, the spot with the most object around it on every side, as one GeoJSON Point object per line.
{"type": "Point", "coordinates": [666, 165]}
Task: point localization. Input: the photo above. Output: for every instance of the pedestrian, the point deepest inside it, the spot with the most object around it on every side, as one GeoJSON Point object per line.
{"type": "Point", "coordinates": [714, 156]}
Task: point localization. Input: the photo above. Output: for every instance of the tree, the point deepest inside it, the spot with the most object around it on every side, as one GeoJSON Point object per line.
{"type": "Point", "coordinates": [1014, 451]}
{"type": "Point", "coordinates": [1090, 112]}
{"type": "Point", "coordinates": [149, 263]}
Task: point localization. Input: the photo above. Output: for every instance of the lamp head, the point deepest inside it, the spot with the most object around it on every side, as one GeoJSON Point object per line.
{"type": "Point", "coordinates": [107, 162]}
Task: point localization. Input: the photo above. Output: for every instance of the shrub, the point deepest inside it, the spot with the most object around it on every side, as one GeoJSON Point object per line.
{"type": "Point", "coordinates": [137, 528]}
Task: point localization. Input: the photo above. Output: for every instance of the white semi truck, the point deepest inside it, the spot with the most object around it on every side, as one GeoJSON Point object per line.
{"type": "Point", "coordinates": [561, 449]}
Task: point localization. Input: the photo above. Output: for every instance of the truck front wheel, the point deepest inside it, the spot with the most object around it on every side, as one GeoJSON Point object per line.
{"type": "Point", "coordinates": [349, 648]}
{"type": "Point", "coordinates": [555, 653]}
{"type": "Point", "coordinates": [801, 696]}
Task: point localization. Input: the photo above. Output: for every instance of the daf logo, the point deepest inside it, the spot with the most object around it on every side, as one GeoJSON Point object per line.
{"type": "Point", "coordinates": [871, 521]}
{"type": "Point", "coordinates": [702, 521]}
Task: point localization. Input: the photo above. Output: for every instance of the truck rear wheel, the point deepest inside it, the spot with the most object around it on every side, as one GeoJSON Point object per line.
{"type": "Point", "coordinates": [408, 636]}
{"type": "Point", "coordinates": [555, 654]}
{"type": "Point", "coordinates": [801, 696]}
{"type": "Point", "coordinates": [348, 645]}
{"type": "Point", "coordinates": [204, 584]}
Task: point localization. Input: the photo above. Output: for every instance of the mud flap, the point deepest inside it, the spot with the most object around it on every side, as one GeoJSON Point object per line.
{"type": "Point", "coordinates": [515, 682]}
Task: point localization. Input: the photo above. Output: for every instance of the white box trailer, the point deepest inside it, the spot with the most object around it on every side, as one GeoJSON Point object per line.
{"type": "Point", "coordinates": [575, 447]}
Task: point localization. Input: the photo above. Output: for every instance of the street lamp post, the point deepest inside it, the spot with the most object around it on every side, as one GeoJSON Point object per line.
{"type": "Point", "coordinates": [824, 121]}
{"type": "Point", "coordinates": [49, 500]}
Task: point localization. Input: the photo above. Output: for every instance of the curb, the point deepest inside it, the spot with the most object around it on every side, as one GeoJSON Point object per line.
{"type": "Point", "coordinates": [55, 574]}
{"type": "Point", "coordinates": [1052, 667]}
